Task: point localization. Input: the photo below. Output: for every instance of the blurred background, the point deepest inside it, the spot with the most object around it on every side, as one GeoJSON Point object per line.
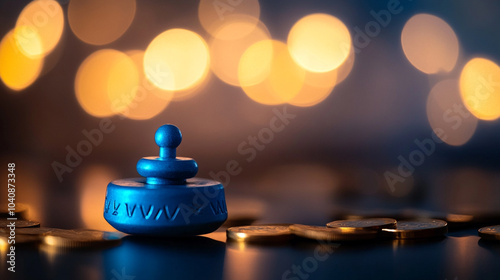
{"type": "Point", "coordinates": [303, 109]}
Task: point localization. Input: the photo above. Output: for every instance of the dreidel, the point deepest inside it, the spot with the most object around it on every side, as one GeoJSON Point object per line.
{"type": "Point", "coordinates": [168, 200]}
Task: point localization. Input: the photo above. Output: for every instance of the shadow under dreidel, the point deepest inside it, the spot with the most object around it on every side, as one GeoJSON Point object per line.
{"type": "Point", "coordinates": [147, 257]}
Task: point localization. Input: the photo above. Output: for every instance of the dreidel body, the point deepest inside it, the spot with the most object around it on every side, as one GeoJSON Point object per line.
{"type": "Point", "coordinates": [167, 200]}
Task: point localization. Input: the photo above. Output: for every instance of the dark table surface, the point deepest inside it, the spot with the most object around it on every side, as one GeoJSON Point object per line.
{"type": "Point", "coordinates": [459, 255]}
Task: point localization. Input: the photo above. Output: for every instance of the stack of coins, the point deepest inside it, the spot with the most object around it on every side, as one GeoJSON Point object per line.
{"type": "Point", "coordinates": [30, 233]}
{"type": "Point", "coordinates": [9, 233]}
{"type": "Point", "coordinates": [343, 230]}
{"type": "Point", "coordinates": [454, 220]}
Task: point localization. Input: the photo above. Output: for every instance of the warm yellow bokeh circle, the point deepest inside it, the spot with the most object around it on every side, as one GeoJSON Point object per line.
{"type": "Point", "coordinates": [226, 53]}
{"type": "Point", "coordinates": [214, 14]}
{"type": "Point", "coordinates": [319, 42]}
{"type": "Point", "coordinates": [18, 70]}
{"type": "Point", "coordinates": [448, 116]}
{"type": "Point", "coordinates": [42, 18]}
{"type": "Point", "coordinates": [149, 100]}
{"type": "Point", "coordinates": [268, 74]}
{"type": "Point", "coordinates": [100, 22]}
{"type": "Point", "coordinates": [177, 59]}
{"type": "Point", "coordinates": [480, 88]}
{"type": "Point", "coordinates": [106, 83]}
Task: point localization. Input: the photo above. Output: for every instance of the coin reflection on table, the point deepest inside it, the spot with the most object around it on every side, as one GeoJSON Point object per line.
{"type": "Point", "coordinates": [255, 260]}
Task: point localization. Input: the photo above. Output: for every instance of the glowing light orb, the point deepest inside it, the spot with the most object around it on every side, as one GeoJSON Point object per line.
{"type": "Point", "coordinates": [448, 116]}
{"type": "Point", "coordinates": [345, 69]}
{"type": "Point", "coordinates": [255, 63]}
{"type": "Point", "coordinates": [268, 74]}
{"type": "Point", "coordinates": [480, 88]}
{"type": "Point", "coordinates": [106, 83]}
{"type": "Point", "coordinates": [319, 42]}
{"type": "Point", "coordinates": [43, 19]}
{"type": "Point", "coordinates": [317, 87]}
{"type": "Point", "coordinates": [430, 44]}
{"type": "Point", "coordinates": [214, 14]}
{"type": "Point", "coordinates": [181, 95]}
{"type": "Point", "coordinates": [17, 70]}
{"type": "Point", "coordinates": [226, 54]}
{"type": "Point", "coordinates": [147, 102]}
{"type": "Point", "coordinates": [100, 22]}
{"type": "Point", "coordinates": [177, 59]}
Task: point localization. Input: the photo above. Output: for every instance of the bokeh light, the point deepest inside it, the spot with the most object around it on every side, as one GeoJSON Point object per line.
{"type": "Point", "coordinates": [92, 187]}
{"type": "Point", "coordinates": [345, 69]}
{"type": "Point", "coordinates": [17, 70]}
{"type": "Point", "coordinates": [100, 22]}
{"type": "Point", "coordinates": [214, 14]}
{"type": "Point", "coordinates": [226, 53]}
{"type": "Point", "coordinates": [430, 44]}
{"type": "Point", "coordinates": [255, 63]}
{"type": "Point", "coordinates": [317, 87]}
{"type": "Point", "coordinates": [268, 74]}
{"type": "Point", "coordinates": [42, 18]}
{"type": "Point", "coordinates": [3, 248]}
{"type": "Point", "coordinates": [106, 83]}
{"type": "Point", "coordinates": [177, 59]}
{"type": "Point", "coordinates": [480, 88]}
{"type": "Point", "coordinates": [28, 41]}
{"type": "Point", "coordinates": [319, 42]}
{"type": "Point", "coordinates": [448, 116]}
{"type": "Point", "coordinates": [185, 94]}
{"type": "Point", "coordinates": [149, 100]}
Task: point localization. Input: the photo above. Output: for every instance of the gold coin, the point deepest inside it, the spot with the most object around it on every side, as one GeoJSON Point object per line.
{"type": "Point", "coordinates": [425, 228]}
{"type": "Point", "coordinates": [81, 238]}
{"type": "Point", "coordinates": [18, 223]}
{"type": "Point", "coordinates": [331, 234]}
{"type": "Point", "coordinates": [260, 233]}
{"type": "Point", "coordinates": [492, 232]}
{"type": "Point", "coordinates": [363, 224]}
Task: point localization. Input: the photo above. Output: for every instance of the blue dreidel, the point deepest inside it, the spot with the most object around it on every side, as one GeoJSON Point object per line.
{"type": "Point", "coordinates": [167, 201]}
